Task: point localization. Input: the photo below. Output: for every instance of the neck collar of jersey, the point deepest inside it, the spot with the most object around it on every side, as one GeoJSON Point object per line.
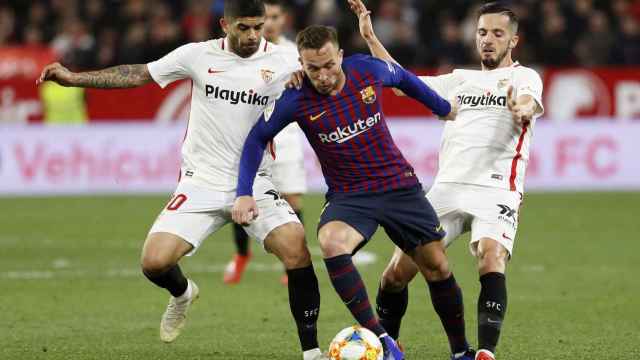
{"type": "Point", "coordinates": [514, 64]}
{"type": "Point", "coordinates": [264, 44]}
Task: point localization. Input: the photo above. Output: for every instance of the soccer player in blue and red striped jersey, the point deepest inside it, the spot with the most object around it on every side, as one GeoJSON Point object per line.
{"type": "Point", "coordinates": [482, 162]}
{"type": "Point", "coordinates": [370, 183]}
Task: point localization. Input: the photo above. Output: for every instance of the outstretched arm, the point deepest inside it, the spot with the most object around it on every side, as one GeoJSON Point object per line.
{"type": "Point", "coordinates": [366, 31]}
{"type": "Point", "coordinates": [121, 76]}
{"type": "Point", "coordinates": [394, 75]}
{"type": "Point", "coordinates": [522, 108]}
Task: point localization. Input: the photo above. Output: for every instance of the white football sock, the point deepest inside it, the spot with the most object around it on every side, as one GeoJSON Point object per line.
{"type": "Point", "coordinates": [311, 354]}
{"type": "Point", "coordinates": [187, 293]}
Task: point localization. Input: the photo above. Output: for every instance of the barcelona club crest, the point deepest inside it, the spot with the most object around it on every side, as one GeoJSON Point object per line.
{"type": "Point", "coordinates": [267, 75]}
{"type": "Point", "coordinates": [368, 95]}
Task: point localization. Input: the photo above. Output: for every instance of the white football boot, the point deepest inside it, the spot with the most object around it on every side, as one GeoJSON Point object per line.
{"type": "Point", "coordinates": [314, 354]}
{"type": "Point", "coordinates": [175, 317]}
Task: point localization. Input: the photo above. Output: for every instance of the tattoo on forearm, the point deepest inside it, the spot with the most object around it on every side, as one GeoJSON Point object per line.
{"type": "Point", "coordinates": [122, 76]}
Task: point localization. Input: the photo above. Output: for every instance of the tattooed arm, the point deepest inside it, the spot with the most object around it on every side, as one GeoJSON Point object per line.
{"type": "Point", "coordinates": [121, 76]}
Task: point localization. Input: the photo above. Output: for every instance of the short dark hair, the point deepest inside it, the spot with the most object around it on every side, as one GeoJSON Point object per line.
{"type": "Point", "coordinates": [316, 36]}
{"type": "Point", "coordinates": [243, 8]}
{"type": "Point", "coordinates": [497, 7]}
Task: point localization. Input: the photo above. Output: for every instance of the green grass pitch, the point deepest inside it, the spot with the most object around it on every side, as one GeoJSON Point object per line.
{"type": "Point", "coordinates": [70, 286]}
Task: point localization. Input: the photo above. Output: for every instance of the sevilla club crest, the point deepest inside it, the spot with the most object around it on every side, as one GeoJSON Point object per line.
{"type": "Point", "coordinates": [267, 75]}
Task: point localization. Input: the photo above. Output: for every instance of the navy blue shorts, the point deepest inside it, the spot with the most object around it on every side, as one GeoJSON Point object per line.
{"type": "Point", "coordinates": [405, 215]}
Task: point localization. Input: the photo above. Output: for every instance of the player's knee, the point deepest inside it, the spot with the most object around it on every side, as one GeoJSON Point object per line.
{"type": "Point", "coordinates": [394, 280]}
{"type": "Point", "coordinates": [332, 244]}
{"type": "Point", "coordinates": [437, 271]}
{"type": "Point", "coordinates": [295, 258]}
{"type": "Point", "coordinates": [433, 265]}
{"type": "Point", "coordinates": [153, 264]}
{"type": "Point", "coordinates": [296, 253]}
{"type": "Point", "coordinates": [492, 259]}
{"type": "Point", "coordinates": [288, 243]}
{"type": "Point", "coordinates": [155, 258]}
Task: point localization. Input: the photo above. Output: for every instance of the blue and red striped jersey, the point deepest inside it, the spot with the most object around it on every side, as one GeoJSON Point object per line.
{"type": "Point", "coordinates": [347, 131]}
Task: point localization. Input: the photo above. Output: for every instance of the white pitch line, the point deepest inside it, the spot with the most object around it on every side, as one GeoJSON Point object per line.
{"type": "Point", "coordinates": [61, 268]}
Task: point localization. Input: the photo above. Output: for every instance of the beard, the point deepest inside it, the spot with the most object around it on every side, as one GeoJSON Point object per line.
{"type": "Point", "coordinates": [242, 50]}
{"type": "Point", "coordinates": [494, 63]}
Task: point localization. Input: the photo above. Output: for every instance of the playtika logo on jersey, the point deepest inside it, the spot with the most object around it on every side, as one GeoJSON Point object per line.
{"type": "Point", "coordinates": [487, 99]}
{"type": "Point", "coordinates": [235, 97]}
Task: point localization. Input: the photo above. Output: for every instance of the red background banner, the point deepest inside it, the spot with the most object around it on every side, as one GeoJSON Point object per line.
{"type": "Point", "coordinates": [568, 94]}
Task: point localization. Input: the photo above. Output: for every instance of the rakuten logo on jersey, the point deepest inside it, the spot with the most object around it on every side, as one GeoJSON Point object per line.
{"type": "Point", "coordinates": [235, 97]}
{"type": "Point", "coordinates": [484, 100]}
{"type": "Point", "coordinates": [342, 134]}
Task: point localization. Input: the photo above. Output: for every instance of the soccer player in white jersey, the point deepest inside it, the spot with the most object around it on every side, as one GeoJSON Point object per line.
{"type": "Point", "coordinates": [288, 172]}
{"type": "Point", "coordinates": [233, 80]}
{"type": "Point", "coordinates": [483, 157]}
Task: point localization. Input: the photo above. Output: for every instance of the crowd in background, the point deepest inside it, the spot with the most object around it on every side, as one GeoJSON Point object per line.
{"type": "Point", "coordinates": [89, 34]}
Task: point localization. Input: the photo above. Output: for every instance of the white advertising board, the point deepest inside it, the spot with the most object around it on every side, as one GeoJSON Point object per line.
{"type": "Point", "coordinates": [145, 158]}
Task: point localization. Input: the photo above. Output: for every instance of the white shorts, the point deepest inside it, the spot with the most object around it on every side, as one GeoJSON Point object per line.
{"type": "Point", "coordinates": [195, 212]}
{"type": "Point", "coordinates": [289, 178]}
{"type": "Point", "coordinates": [288, 171]}
{"type": "Point", "coordinates": [486, 211]}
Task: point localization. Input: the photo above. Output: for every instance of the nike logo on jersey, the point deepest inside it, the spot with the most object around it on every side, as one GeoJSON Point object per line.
{"type": "Point", "coordinates": [506, 237]}
{"type": "Point", "coordinates": [316, 117]}
{"type": "Point", "coordinates": [212, 71]}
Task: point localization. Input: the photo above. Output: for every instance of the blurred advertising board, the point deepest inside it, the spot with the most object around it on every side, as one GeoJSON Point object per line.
{"type": "Point", "coordinates": [19, 68]}
{"type": "Point", "coordinates": [570, 94]}
{"type": "Point", "coordinates": [145, 158]}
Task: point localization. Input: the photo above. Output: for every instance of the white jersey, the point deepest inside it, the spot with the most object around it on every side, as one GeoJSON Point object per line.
{"type": "Point", "coordinates": [288, 142]}
{"type": "Point", "coordinates": [484, 145]}
{"type": "Point", "coordinates": [229, 93]}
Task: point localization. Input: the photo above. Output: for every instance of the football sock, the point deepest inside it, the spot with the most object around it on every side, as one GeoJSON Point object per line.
{"type": "Point", "coordinates": [304, 301]}
{"type": "Point", "coordinates": [492, 306]}
{"type": "Point", "coordinates": [446, 297]}
{"type": "Point", "coordinates": [172, 280]}
{"type": "Point", "coordinates": [391, 307]}
{"type": "Point", "coordinates": [242, 239]}
{"type": "Point", "coordinates": [187, 293]}
{"type": "Point", "coordinates": [348, 284]}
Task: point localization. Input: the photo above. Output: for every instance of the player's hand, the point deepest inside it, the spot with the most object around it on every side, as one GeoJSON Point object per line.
{"type": "Point", "coordinates": [364, 18]}
{"type": "Point", "coordinates": [245, 210]}
{"type": "Point", "coordinates": [455, 106]}
{"type": "Point", "coordinates": [57, 73]}
{"type": "Point", "coordinates": [521, 113]}
{"type": "Point", "coordinates": [297, 78]}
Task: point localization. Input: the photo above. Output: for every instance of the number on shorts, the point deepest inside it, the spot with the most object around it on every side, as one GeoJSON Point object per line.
{"type": "Point", "coordinates": [176, 202]}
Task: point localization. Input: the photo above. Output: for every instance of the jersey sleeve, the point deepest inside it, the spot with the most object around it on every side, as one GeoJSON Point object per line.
{"type": "Point", "coordinates": [442, 84]}
{"type": "Point", "coordinates": [528, 82]}
{"type": "Point", "coordinates": [276, 117]}
{"type": "Point", "coordinates": [174, 66]}
{"type": "Point", "coordinates": [394, 75]}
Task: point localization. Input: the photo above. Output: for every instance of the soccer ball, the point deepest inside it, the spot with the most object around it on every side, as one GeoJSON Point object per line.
{"type": "Point", "coordinates": [355, 343]}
